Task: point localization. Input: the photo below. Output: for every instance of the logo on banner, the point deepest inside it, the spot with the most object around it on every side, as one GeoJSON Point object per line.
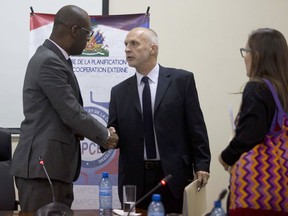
{"type": "Point", "coordinates": [96, 45]}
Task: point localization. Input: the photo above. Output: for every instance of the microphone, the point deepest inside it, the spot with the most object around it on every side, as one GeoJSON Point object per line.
{"type": "Point", "coordinates": [54, 208]}
{"type": "Point", "coordinates": [163, 182]}
{"type": "Point", "coordinates": [221, 196]}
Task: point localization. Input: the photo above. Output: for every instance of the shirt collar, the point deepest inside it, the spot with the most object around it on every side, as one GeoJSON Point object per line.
{"type": "Point", "coordinates": [62, 50]}
{"type": "Point", "coordinates": [152, 75]}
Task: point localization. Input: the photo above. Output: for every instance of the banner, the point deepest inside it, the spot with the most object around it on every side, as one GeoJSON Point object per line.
{"type": "Point", "coordinates": [101, 66]}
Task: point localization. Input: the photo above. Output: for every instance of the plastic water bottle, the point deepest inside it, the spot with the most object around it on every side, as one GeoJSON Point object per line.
{"type": "Point", "coordinates": [105, 195]}
{"type": "Point", "coordinates": [218, 210]}
{"type": "Point", "coordinates": [156, 207]}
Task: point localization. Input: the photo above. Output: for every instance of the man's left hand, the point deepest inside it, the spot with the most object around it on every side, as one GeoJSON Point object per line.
{"type": "Point", "coordinates": [202, 179]}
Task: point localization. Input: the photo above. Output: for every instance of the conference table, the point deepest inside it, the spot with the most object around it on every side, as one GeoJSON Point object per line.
{"type": "Point", "coordinates": [76, 213]}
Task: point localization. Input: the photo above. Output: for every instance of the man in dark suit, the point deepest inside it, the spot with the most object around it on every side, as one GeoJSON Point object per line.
{"type": "Point", "coordinates": [180, 137]}
{"type": "Point", "coordinates": [55, 120]}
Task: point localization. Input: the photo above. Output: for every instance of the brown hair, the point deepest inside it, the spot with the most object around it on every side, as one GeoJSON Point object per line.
{"type": "Point", "coordinates": [270, 60]}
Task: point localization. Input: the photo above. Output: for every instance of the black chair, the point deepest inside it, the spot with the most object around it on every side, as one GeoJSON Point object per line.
{"type": "Point", "coordinates": [7, 191]}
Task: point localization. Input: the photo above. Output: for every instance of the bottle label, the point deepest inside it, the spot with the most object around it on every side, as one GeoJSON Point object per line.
{"type": "Point", "coordinates": [105, 193]}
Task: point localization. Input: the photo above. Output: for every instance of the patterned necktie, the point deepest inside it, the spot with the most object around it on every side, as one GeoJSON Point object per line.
{"type": "Point", "coordinates": [148, 120]}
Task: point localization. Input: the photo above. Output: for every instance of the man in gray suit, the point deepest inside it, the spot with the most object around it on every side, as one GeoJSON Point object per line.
{"type": "Point", "coordinates": [55, 120]}
{"type": "Point", "coordinates": [175, 125]}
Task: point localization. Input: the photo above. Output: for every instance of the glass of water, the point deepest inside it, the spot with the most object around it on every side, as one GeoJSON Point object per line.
{"type": "Point", "coordinates": [129, 198]}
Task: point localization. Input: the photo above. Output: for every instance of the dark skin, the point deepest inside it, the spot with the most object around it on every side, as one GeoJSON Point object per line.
{"type": "Point", "coordinates": [67, 33]}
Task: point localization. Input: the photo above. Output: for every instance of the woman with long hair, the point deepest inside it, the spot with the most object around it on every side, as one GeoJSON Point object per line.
{"type": "Point", "coordinates": [257, 156]}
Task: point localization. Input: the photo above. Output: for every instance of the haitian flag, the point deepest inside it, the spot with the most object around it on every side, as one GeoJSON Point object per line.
{"type": "Point", "coordinates": [101, 66]}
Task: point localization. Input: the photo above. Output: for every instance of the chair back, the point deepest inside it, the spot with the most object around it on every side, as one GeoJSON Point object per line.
{"type": "Point", "coordinates": [7, 190]}
{"type": "Point", "coordinates": [5, 145]}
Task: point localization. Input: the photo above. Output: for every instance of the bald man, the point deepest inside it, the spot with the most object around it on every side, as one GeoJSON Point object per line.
{"type": "Point", "coordinates": [55, 120]}
{"type": "Point", "coordinates": [180, 138]}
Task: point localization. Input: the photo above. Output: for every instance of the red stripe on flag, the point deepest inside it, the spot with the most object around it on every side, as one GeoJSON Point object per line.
{"type": "Point", "coordinates": [38, 20]}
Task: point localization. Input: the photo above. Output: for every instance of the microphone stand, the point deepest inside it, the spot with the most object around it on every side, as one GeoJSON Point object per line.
{"type": "Point", "coordinates": [54, 208]}
{"type": "Point", "coordinates": [46, 173]}
{"type": "Point", "coordinates": [163, 182]}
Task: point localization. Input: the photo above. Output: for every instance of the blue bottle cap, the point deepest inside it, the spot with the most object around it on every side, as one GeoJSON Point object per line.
{"type": "Point", "coordinates": [105, 174]}
{"type": "Point", "coordinates": [217, 204]}
{"type": "Point", "coordinates": [156, 197]}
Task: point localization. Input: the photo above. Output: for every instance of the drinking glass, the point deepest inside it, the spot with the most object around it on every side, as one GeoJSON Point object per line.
{"type": "Point", "coordinates": [129, 197]}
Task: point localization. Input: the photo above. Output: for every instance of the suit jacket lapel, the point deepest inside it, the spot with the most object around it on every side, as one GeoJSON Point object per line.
{"type": "Point", "coordinates": [132, 90]}
{"type": "Point", "coordinates": [51, 46]}
{"type": "Point", "coordinates": [163, 83]}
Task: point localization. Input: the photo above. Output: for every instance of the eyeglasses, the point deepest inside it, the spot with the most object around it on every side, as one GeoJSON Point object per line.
{"type": "Point", "coordinates": [89, 32]}
{"type": "Point", "coordinates": [244, 52]}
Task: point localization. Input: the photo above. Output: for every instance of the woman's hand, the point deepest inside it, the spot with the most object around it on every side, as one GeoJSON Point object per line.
{"type": "Point", "coordinates": [226, 166]}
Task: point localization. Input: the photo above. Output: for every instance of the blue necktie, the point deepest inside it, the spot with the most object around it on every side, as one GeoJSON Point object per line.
{"type": "Point", "coordinates": [148, 120]}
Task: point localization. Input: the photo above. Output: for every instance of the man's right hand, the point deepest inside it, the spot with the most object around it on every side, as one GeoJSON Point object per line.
{"type": "Point", "coordinates": [112, 141]}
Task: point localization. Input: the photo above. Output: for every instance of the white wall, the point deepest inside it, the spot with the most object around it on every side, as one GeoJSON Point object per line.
{"type": "Point", "coordinates": [201, 36]}
{"type": "Point", "coordinates": [204, 37]}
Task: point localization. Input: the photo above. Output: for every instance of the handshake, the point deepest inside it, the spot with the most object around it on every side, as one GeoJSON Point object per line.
{"type": "Point", "coordinates": [112, 139]}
